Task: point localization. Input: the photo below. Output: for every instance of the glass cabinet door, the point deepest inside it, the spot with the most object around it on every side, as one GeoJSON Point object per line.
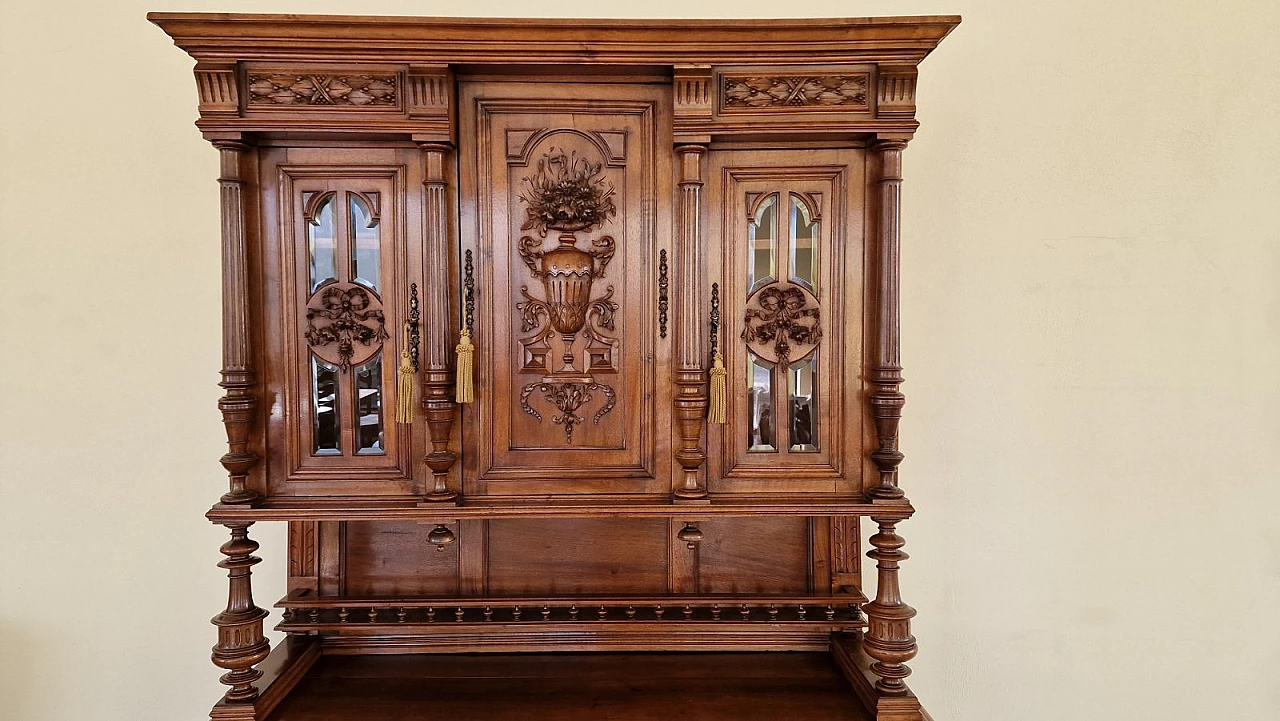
{"type": "Point", "coordinates": [791, 324]}
{"type": "Point", "coordinates": [345, 289]}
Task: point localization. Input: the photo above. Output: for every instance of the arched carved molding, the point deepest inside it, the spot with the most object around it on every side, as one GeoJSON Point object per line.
{"type": "Point", "coordinates": [612, 146]}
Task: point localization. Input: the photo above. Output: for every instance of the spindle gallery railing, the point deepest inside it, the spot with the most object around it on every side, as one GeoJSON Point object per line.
{"type": "Point", "coordinates": [838, 612]}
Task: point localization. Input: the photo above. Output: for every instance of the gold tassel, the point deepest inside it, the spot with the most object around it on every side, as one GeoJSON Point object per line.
{"type": "Point", "coordinates": [719, 390]}
{"type": "Point", "coordinates": [465, 391]}
{"type": "Point", "coordinates": [406, 383]}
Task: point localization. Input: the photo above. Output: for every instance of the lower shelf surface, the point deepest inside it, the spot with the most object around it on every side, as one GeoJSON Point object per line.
{"type": "Point", "coordinates": [574, 687]}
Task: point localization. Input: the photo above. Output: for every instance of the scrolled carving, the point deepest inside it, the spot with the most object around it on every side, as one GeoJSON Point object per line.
{"type": "Point", "coordinates": [310, 89]}
{"type": "Point", "coordinates": [782, 323]}
{"type": "Point", "coordinates": [796, 91]}
{"type": "Point", "coordinates": [568, 398]}
{"type": "Point", "coordinates": [567, 193]}
{"type": "Point", "coordinates": [664, 287]}
{"type": "Point", "coordinates": [352, 317]}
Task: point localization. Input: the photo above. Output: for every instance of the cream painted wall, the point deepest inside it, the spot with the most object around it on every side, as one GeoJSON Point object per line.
{"type": "Point", "coordinates": [1091, 322]}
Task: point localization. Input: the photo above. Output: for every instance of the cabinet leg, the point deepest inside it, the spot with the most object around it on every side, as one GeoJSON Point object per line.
{"type": "Point", "coordinates": [888, 638]}
{"type": "Point", "coordinates": [241, 644]}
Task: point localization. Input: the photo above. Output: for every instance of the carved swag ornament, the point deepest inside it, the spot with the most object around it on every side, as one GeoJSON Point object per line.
{"type": "Point", "coordinates": [779, 325]}
{"type": "Point", "coordinates": [567, 194]}
{"type": "Point", "coordinates": [344, 316]}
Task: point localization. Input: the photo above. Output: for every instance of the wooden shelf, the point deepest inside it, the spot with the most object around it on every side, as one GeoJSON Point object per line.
{"type": "Point", "coordinates": [349, 509]}
{"type": "Point", "coordinates": [574, 687]}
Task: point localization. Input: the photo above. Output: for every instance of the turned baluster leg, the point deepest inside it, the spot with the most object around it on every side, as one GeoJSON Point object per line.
{"type": "Point", "coordinates": [438, 382]}
{"type": "Point", "coordinates": [690, 377]}
{"type": "Point", "coordinates": [241, 644]}
{"type": "Point", "coordinates": [888, 637]}
{"type": "Point", "coordinates": [886, 375]}
{"type": "Point", "coordinates": [238, 404]}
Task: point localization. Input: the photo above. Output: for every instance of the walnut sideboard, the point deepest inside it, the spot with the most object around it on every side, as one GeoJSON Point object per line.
{"type": "Point", "coordinates": [568, 351]}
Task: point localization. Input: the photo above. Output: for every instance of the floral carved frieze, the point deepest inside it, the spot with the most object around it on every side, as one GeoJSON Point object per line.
{"type": "Point", "coordinates": [356, 91]}
{"type": "Point", "coordinates": [345, 325]}
{"type": "Point", "coordinates": [782, 323]}
{"type": "Point", "coordinates": [795, 92]}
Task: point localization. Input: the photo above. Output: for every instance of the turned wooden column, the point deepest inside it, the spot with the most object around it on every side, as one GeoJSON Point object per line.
{"type": "Point", "coordinates": [888, 637]}
{"type": "Point", "coordinates": [886, 375]}
{"type": "Point", "coordinates": [238, 404]}
{"type": "Point", "coordinates": [438, 378]}
{"type": "Point", "coordinates": [690, 398]}
{"type": "Point", "coordinates": [241, 644]}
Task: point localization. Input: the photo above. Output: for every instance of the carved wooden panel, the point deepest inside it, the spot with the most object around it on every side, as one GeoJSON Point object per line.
{"type": "Point", "coordinates": [754, 555]}
{"type": "Point", "coordinates": [386, 558]}
{"type": "Point", "coordinates": [567, 556]}
{"type": "Point", "coordinates": [789, 310]}
{"type": "Point", "coordinates": [565, 195]}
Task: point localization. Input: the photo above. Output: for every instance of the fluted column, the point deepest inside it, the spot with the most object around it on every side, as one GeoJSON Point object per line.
{"type": "Point", "coordinates": [886, 375]}
{"type": "Point", "coordinates": [888, 637]}
{"type": "Point", "coordinates": [241, 644]}
{"type": "Point", "coordinates": [438, 378]}
{"type": "Point", "coordinates": [690, 398]}
{"type": "Point", "coordinates": [238, 404]}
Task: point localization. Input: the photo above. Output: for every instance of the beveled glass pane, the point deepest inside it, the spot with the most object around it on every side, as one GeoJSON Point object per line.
{"type": "Point", "coordinates": [759, 405]}
{"type": "Point", "coordinates": [365, 248]}
{"type": "Point", "coordinates": [322, 243]}
{"type": "Point", "coordinates": [802, 378]}
{"type": "Point", "coordinates": [326, 428]}
{"type": "Point", "coordinates": [762, 244]}
{"type": "Point", "coordinates": [804, 244]}
{"type": "Point", "coordinates": [369, 407]}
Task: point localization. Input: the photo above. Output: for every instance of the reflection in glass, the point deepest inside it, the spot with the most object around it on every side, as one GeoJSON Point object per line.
{"type": "Point", "coordinates": [802, 378]}
{"type": "Point", "coordinates": [759, 405]}
{"type": "Point", "coordinates": [804, 244]}
{"type": "Point", "coordinates": [364, 243]}
{"type": "Point", "coordinates": [762, 244]}
{"type": "Point", "coordinates": [369, 407]}
{"type": "Point", "coordinates": [322, 244]}
{"type": "Point", "coordinates": [326, 427]}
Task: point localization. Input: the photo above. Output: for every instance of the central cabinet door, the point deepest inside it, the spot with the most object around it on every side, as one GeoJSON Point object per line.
{"type": "Point", "coordinates": [563, 187]}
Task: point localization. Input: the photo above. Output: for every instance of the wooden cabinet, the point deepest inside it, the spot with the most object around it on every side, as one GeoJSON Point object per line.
{"type": "Point", "coordinates": [549, 336]}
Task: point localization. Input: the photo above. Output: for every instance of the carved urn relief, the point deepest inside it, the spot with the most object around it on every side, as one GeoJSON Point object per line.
{"type": "Point", "coordinates": [569, 194]}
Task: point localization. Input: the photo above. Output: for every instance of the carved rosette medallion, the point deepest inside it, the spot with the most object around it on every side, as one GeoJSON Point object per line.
{"type": "Point", "coordinates": [345, 325]}
{"type": "Point", "coordinates": [570, 195]}
{"type": "Point", "coordinates": [782, 323]}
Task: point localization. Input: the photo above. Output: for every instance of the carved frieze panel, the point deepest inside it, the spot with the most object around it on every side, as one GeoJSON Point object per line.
{"type": "Point", "coordinates": [842, 92]}
{"type": "Point", "coordinates": [303, 89]}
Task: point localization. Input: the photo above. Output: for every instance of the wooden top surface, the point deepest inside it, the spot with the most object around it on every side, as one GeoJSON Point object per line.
{"type": "Point", "coordinates": [574, 687]}
{"type": "Point", "coordinates": [536, 40]}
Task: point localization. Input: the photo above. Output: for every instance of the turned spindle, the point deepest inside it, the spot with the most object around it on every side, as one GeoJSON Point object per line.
{"type": "Point", "coordinates": [241, 644]}
{"type": "Point", "coordinates": [888, 636]}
